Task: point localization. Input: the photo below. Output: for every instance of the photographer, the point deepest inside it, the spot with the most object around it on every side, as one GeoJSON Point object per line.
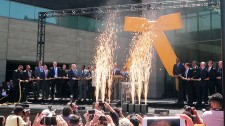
{"type": "Point", "coordinates": [48, 116]}
{"type": "Point", "coordinates": [16, 118]}
{"type": "Point", "coordinates": [113, 113]}
{"type": "Point", "coordinates": [190, 112]}
{"type": "Point", "coordinates": [214, 117]}
{"type": "Point", "coordinates": [73, 107]}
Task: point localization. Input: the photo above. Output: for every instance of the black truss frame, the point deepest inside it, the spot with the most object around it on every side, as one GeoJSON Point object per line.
{"type": "Point", "coordinates": [178, 4]}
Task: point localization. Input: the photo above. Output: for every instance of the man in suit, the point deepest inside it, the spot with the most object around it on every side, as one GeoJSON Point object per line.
{"type": "Point", "coordinates": [27, 75]}
{"type": "Point", "coordinates": [9, 91]}
{"type": "Point", "coordinates": [17, 77]}
{"type": "Point", "coordinates": [203, 85]}
{"type": "Point", "coordinates": [116, 86]}
{"type": "Point", "coordinates": [178, 69]}
{"type": "Point", "coordinates": [212, 78]}
{"type": "Point", "coordinates": [219, 77]}
{"type": "Point", "coordinates": [73, 82]}
{"type": "Point", "coordinates": [64, 81]}
{"type": "Point", "coordinates": [45, 83]}
{"type": "Point", "coordinates": [38, 83]}
{"type": "Point", "coordinates": [186, 76]}
{"type": "Point", "coordinates": [54, 73]}
{"type": "Point", "coordinates": [82, 83]}
{"type": "Point", "coordinates": [195, 76]}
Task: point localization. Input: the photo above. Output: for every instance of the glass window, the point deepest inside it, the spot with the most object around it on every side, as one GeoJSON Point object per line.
{"type": "Point", "coordinates": [183, 30]}
{"type": "Point", "coordinates": [216, 21]}
{"type": "Point", "coordinates": [192, 22]}
{"type": "Point", "coordinates": [204, 20]}
{"type": "Point", "coordinates": [4, 8]}
{"type": "Point", "coordinates": [21, 11]}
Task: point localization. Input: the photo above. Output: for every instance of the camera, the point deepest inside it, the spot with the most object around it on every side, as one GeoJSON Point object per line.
{"type": "Point", "coordinates": [102, 118]}
{"type": "Point", "coordinates": [189, 109]}
{"type": "Point", "coordinates": [101, 104]}
{"type": "Point", "coordinates": [49, 120]}
{"type": "Point", "coordinates": [91, 111]}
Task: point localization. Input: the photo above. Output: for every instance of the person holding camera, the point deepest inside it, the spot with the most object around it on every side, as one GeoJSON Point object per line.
{"type": "Point", "coordinates": [16, 118]}
{"type": "Point", "coordinates": [135, 119]}
{"type": "Point", "coordinates": [47, 118]}
{"type": "Point", "coordinates": [213, 117]}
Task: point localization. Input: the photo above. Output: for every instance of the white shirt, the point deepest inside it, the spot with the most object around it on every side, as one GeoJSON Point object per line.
{"type": "Point", "coordinates": [11, 120]}
{"type": "Point", "coordinates": [213, 118]}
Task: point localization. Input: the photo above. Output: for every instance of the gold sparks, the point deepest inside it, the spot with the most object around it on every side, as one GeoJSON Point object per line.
{"type": "Point", "coordinates": [140, 67]}
{"type": "Point", "coordinates": [107, 42]}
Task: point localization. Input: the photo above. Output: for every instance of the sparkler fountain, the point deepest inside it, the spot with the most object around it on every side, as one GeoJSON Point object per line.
{"type": "Point", "coordinates": [104, 59]}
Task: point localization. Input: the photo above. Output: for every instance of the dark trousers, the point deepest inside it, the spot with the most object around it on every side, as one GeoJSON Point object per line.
{"type": "Point", "coordinates": [55, 83]}
{"type": "Point", "coordinates": [36, 89]}
{"type": "Point", "coordinates": [25, 90]}
{"type": "Point", "coordinates": [16, 93]}
{"type": "Point", "coordinates": [190, 92]}
{"type": "Point", "coordinates": [212, 86]}
{"type": "Point", "coordinates": [93, 93]}
{"type": "Point", "coordinates": [89, 89]}
{"type": "Point", "coordinates": [82, 89]}
{"type": "Point", "coordinates": [219, 86]}
{"type": "Point", "coordinates": [182, 93]}
{"type": "Point", "coordinates": [45, 89]}
{"type": "Point", "coordinates": [74, 88]}
{"type": "Point", "coordinates": [64, 88]}
{"type": "Point", "coordinates": [201, 89]}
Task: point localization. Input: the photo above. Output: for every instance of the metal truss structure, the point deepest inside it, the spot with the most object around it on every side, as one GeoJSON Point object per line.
{"type": "Point", "coordinates": [176, 4]}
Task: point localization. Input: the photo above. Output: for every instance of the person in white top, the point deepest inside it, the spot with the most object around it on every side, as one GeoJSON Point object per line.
{"type": "Point", "coordinates": [214, 117]}
{"type": "Point", "coordinates": [16, 119]}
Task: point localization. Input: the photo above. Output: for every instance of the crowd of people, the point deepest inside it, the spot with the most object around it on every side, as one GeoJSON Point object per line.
{"type": "Point", "coordinates": [98, 116]}
{"type": "Point", "coordinates": [197, 82]}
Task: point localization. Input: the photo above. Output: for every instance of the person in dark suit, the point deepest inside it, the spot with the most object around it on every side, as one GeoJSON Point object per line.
{"type": "Point", "coordinates": [219, 77]}
{"type": "Point", "coordinates": [64, 81]}
{"type": "Point", "coordinates": [38, 84]}
{"type": "Point", "coordinates": [195, 76]}
{"type": "Point", "coordinates": [45, 83]}
{"type": "Point", "coordinates": [54, 73]}
{"type": "Point", "coordinates": [9, 91]}
{"type": "Point", "coordinates": [73, 82]}
{"type": "Point", "coordinates": [203, 85]}
{"type": "Point", "coordinates": [17, 77]}
{"type": "Point", "coordinates": [178, 70]}
{"type": "Point", "coordinates": [212, 78]}
{"type": "Point", "coordinates": [186, 76]}
{"type": "Point", "coordinates": [82, 83]}
{"type": "Point", "coordinates": [27, 75]}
